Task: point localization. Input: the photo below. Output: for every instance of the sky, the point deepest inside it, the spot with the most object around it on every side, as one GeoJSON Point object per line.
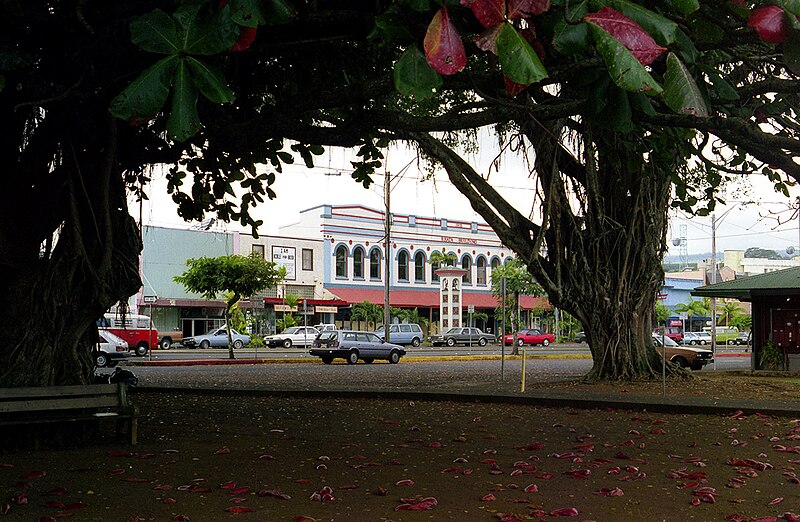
{"type": "Point", "coordinates": [753, 216]}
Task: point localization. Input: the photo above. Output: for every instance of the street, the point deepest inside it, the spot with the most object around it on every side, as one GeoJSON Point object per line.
{"type": "Point", "coordinates": [429, 375]}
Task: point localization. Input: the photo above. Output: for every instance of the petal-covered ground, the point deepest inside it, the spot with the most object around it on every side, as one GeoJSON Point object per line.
{"type": "Point", "coordinates": [288, 459]}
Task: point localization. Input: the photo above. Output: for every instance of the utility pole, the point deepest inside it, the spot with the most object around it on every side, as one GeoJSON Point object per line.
{"type": "Point", "coordinates": [714, 280]}
{"type": "Point", "coordinates": [502, 333]}
{"type": "Point", "coordinates": [387, 250]}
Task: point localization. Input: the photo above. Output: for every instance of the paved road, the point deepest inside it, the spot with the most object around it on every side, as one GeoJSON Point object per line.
{"type": "Point", "coordinates": [442, 375]}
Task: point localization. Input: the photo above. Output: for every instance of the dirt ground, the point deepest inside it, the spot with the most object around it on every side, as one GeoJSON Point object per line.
{"type": "Point", "coordinates": [208, 458]}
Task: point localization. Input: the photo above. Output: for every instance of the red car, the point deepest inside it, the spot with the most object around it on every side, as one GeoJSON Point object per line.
{"type": "Point", "coordinates": [531, 337]}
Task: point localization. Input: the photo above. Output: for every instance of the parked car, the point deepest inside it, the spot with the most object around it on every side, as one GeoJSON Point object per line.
{"type": "Point", "coordinates": [580, 337]}
{"type": "Point", "coordinates": [402, 334]}
{"type": "Point", "coordinates": [136, 330]}
{"type": "Point", "coordinates": [352, 345]}
{"type": "Point", "coordinates": [725, 334]}
{"type": "Point", "coordinates": [685, 357]}
{"type": "Point", "coordinates": [169, 338]}
{"type": "Point", "coordinates": [470, 336]}
{"type": "Point", "coordinates": [216, 338]}
{"type": "Point", "coordinates": [694, 338]}
{"type": "Point", "coordinates": [532, 337]}
{"type": "Point", "coordinates": [299, 335]}
{"type": "Point", "coordinates": [743, 339]}
{"type": "Point", "coordinates": [111, 349]}
{"type": "Point", "coordinates": [326, 327]}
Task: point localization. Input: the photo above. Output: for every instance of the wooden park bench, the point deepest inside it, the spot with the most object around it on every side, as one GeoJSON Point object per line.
{"type": "Point", "coordinates": [56, 404]}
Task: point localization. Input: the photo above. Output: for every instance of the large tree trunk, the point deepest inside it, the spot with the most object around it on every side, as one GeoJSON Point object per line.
{"type": "Point", "coordinates": [68, 246]}
{"type": "Point", "coordinates": [598, 250]}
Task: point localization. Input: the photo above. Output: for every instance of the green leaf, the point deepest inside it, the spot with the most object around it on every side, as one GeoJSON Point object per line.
{"type": "Point", "coordinates": [184, 121]}
{"type": "Point", "coordinates": [624, 69]}
{"type": "Point", "coordinates": [685, 46]}
{"type": "Point", "coordinates": [519, 61]}
{"type": "Point", "coordinates": [419, 5]}
{"type": "Point", "coordinates": [681, 93]}
{"type": "Point", "coordinates": [146, 95]}
{"type": "Point", "coordinates": [723, 88]}
{"type": "Point", "coordinates": [206, 36]}
{"type": "Point", "coordinates": [209, 81]}
{"type": "Point", "coordinates": [791, 51]}
{"type": "Point", "coordinates": [571, 38]}
{"type": "Point", "coordinates": [661, 29]}
{"type": "Point", "coordinates": [617, 113]}
{"type": "Point", "coordinates": [414, 76]}
{"type": "Point", "coordinates": [279, 12]}
{"type": "Point", "coordinates": [156, 32]}
{"type": "Point", "coordinates": [642, 103]}
{"type": "Point", "coordinates": [790, 6]}
{"type": "Point", "coordinates": [247, 13]}
{"type": "Point", "coordinates": [686, 6]}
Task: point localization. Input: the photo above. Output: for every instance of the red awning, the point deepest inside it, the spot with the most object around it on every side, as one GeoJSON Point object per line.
{"type": "Point", "coordinates": [427, 298]}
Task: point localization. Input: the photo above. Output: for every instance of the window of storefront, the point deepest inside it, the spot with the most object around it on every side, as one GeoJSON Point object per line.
{"type": "Point", "coordinates": [358, 263]}
{"type": "Point", "coordinates": [375, 265]}
{"type": "Point", "coordinates": [402, 266]}
{"type": "Point", "coordinates": [419, 267]}
{"type": "Point", "coordinates": [341, 261]}
{"type": "Point", "coordinates": [308, 259]}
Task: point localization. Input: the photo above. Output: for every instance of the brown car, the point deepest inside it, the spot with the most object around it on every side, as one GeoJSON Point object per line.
{"type": "Point", "coordinates": [684, 356]}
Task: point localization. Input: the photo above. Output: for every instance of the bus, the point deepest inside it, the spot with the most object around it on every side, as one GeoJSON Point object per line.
{"type": "Point", "coordinates": [137, 330]}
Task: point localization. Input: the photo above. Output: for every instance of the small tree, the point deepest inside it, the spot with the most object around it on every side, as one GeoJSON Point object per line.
{"type": "Point", "coordinates": [693, 307]}
{"type": "Point", "coordinates": [662, 312]}
{"type": "Point", "coordinates": [366, 311]}
{"type": "Point", "coordinates": [239, 276]}
{"type": "Point", "coordinates": [518, 282]}
{"type": "Point", "coordinates": [730, 311]}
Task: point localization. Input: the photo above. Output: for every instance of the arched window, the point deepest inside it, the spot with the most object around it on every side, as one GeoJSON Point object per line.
{"type": "Point", "coordinates": [402, 266]}
{"type": "Point", "coordinates": [375, 264]}
{"type": "Point", "coordinates": [466, 264]}
{"type": "Point", "coordinates": [358, 263]}
{"type": "Point", "coordinates": [419, 267]}
{"type": "Point", "coordinates": [434, 275]}
{"type": "Point", "coordinates": [481, 269]}
{"type": "Point", "coordinates": [341, 261]}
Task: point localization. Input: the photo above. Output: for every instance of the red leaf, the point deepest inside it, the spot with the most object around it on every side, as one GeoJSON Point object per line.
{"type": "Point", "coordinates": [770, 23]}
{"type": "Point", "coordinates": [277, 493]}
{"type": "Point", "coordinates": [181, 518]}
{"type": "Point", "coordinates": [54, 504]}
{"type": "Point", "coordinates": [381, 492]}
{"type": "Point", "coordinates": [56, 491]}
{"type": "Point", "coordinates": [35, 474]}
{"type": "Point", "coordinates": [223, 451]}
{"type": "Point", "coordinates": [488, 498]}
{"type": "Point", "coordinates": [228, 485]}
{"type": "Point", "coordinates": [629, 33]}
{"type": "Point", "coordinates": [776, 500]}
{"type": "Point", "coordinates": [246, 38]}
{"type": "Point", "coordinates": [513, 88]}
{"type": "Point", "coordinates": [488, 12]}
{"type": "Point", "coordinates": [118, 471]}
{"type": "Point", "coordinates": [20, 499]}
{"type": "Point", "coordinates": [418, 505]}
{"type": "Point", "coordinates": [406, 482]}
{"type": "Point", "coordinates": [239, 509]}
{"type": "Point", "coordinates": [443, 47]}
{"type": "Point", "coordinates": [168, 500]}
{"type": "Point", "coordinates": [138, 480]}
{"type": "Point", "coordinates": [531, 488]}
{"type": "Point", "coordinates": [5, 508]}
{"type": "Point", "coordinates": [47, 519]}
{"type": "Point", "coordinates": [303, 518]}
{"type": "Point", "coordinates": [609, 492]}
{"type": "Point", "coordinates": [564, 512]}
{"type": "Point", "coordinates": [76, 505]}
{"type": "Point", "coordinates": [526, 8]}
{"type": "Point", "coordinates": [239, 491]}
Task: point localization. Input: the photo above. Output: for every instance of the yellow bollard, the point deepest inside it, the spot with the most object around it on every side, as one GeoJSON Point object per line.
{"type": "Point", "coordinates": [522, 388]}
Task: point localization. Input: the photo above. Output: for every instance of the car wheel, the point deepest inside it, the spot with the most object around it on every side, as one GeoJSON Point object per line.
{"type": "Point", "coordinates": [352, 357]}
{"type": "Point", "coordinates": [327, 359]}
{"type": "Point", "coordinates": [703, 343]}
{"type": "Point", "coordinates": [394, 357]}
{"type": "Point", "coordinates": [238, 343]}
{"type": "Point", "coordinates": [101, 360]}
{"type": "Point", "coordinates": [287, 343]}
{"type": "Point", "coordinates": [141, 349]}
{"type": "Point", "coordinates": [451, 342]}
{"type": "Point", "coordinates": [482, 342]}
{"type": "Point", "coordinates": [546, 343]}
{"type": "Point", "coordinates": [680, 361]}
{"type": "Point", "coordinates": [205, 345]}
{"type": "Point", "coordinates": [165, 344]}
{"type": "Point", "coordinates": [692, 342]}
{"type": "Point", "coordinates": [520, 342]}
{"type": "Point", "coordinates": [415, 342]}
{"type": "Point", "coordinates": [368, 360]}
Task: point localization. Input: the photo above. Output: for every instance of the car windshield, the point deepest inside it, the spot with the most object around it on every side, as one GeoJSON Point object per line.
{"type": "Point", "coordinates": [453, 331]}
{"type": "Point", "coordinates": [667, 341]}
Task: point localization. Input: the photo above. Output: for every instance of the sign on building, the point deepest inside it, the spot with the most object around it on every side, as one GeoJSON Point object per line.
{"type": "Point", "coordinates": [286, 257]}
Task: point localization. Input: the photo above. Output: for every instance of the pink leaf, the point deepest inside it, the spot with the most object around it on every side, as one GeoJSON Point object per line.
{"type": "Point", "coordinates": [531, 488]}
{"type": "Point", "coordinates": [277, 493]}
{"type": "Point", "coordinates": [223, 451]}
{"type": "Point", "coordinates": [629, 33]}
{"type": "Point", "coordinates": [181, 518]}
{"type": "Point", "coordinates": [770, 23]}
{"type": "Point", "coordinates": [488, 498]}
{"type": "Point", "coordinates": [239, 491]}
{"type": "Point", "coordinates": [246, 38]}
{"type": "Point", "coordinates": [526, 8]}
{"type": "Point", "coordinates": [443, 47]}
{"type": "Point", "coordinates": [564, 512]}
{"type": "Point", "coordinates": [609, 492]}
{"type": "Point", "coordinates": [239, 509]}
{"type": "Point", "coordinates": [488, 12]}
{"type": "Point", "coordinates": [303, 518]}
{"type": "Point", "coordinates": [405, 482]}
{"type": "Point", "coordinates": [418, 505]}
{"type": "Point", "coordinates": [776, 500]}
{"type": "Point", "coordinates": [228, 485]}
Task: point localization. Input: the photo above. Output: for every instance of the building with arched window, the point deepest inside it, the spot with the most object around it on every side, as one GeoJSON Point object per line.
{"type": "Point", "coordinates": [358, 232]}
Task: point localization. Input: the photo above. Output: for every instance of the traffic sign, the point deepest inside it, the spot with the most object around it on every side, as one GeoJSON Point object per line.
{"type": "Point", "coordinates": [470, 309]}
{"type": "Point", "coordinates": [149, 299]}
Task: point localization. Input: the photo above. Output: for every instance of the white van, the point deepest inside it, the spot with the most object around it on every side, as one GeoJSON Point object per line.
{"type": "Point", "coordinates": [402, 334]}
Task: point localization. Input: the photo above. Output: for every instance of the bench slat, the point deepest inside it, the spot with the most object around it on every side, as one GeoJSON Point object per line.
{"type": "Point", "coordinates": [63, 391]}
{"type": "Point", "coordinates": [66, 403]}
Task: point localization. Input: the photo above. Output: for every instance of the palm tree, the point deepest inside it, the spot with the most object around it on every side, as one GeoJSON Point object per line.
{"type": "Point", "coordinates": [730, 311]}
{"type": "Point", "coordinates": [366, 311]}
{"type": "Point", "coordinates": [693, 307]}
